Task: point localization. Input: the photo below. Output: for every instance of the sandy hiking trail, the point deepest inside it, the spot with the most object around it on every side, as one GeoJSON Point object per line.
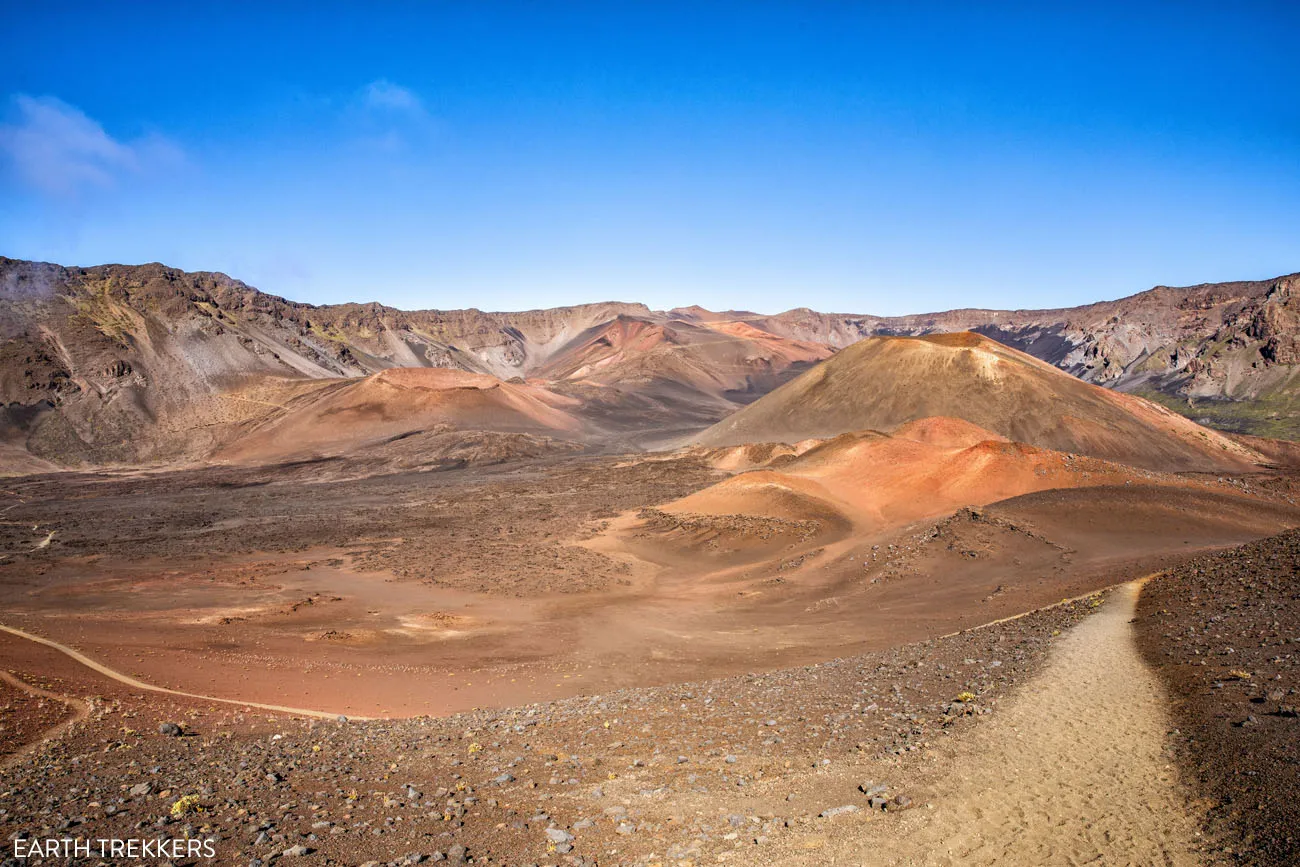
{"type": "Point", "coordinates": [132, 682]}
{"type": "Point", "coordinates": [79, 709]}
{"type": "Point", "coordinates": [1073, 771]}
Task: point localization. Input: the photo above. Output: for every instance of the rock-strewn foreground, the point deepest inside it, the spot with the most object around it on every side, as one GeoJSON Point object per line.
{"type": "Point", "coordinates": [775, 766]}
{"type": "Point", "coordinates": [748, 768]}
{"type": "Point", "coordinates": [1223, 632]}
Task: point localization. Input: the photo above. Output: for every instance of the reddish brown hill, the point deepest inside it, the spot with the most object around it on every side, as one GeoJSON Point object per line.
{"type": "Point", "coordinates": [883, 383]}
{"type": "Point", "coordinates": [874, 481]}
{"type": "Point", "coordinates": [656, 380]}
{"type": "Point", "coordinates": [715, 359]}
{"type": "Point", "coordinates": [342, 415]}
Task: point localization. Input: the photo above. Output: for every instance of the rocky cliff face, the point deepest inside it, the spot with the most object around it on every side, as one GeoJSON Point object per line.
{"type": "Point", "coordinates": [1222, 341]}
{"type": "Point", "coordinates": [1187, 339]}
{"type": "Point", "coordinates": [148, 363]}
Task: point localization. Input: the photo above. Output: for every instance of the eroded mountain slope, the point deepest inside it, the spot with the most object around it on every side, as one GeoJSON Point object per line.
{"type": "Point", "coordinates": [132, 364]}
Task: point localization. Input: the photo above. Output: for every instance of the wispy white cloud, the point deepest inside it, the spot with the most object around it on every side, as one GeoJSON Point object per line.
{"type": "Point", "coordinates": [388, 120]}
{"type": "Point", "coordinates": [56, 148]}
{"type": "Point", "coordinates": [384, 95]}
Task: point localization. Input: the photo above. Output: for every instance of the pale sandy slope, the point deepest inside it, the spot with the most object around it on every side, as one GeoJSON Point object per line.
{"type": "Point", "coordinates": [1073, 771]}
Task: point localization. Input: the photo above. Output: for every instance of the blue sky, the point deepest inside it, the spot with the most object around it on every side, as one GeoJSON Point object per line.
{"type": "Point", "coordinates": [870, 158]}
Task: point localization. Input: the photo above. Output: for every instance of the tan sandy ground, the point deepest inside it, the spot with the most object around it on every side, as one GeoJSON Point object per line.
{"type": "Point", "coordinates": [1069, 770]}
{"type": "Point", "coordinates": [1073, 771]}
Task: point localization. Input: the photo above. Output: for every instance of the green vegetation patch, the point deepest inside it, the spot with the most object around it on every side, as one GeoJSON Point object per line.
{"type": "Point", "coordinates": [1276, 415]}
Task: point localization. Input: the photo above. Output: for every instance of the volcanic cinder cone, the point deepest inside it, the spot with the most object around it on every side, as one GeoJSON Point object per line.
{"type": "Point", "coordinates": [882, 383]}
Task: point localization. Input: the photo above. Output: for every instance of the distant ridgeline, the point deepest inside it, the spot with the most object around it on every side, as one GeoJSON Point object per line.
{"type": "Point", "coordinates": [148, 364]}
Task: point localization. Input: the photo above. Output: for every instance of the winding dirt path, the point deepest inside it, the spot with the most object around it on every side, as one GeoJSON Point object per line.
{"type": "Point", "coordinates": [113, 674]}
{"type": "Point", "coordinates": [80, 711]}
{"type": "Point", "coordinates": [1073, 771]}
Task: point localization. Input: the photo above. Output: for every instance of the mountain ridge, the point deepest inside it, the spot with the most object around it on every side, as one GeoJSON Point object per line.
{"type": "Point", "coordinates": [94, 360]}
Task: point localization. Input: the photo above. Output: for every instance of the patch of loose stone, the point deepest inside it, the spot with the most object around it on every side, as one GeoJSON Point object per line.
{"type": "Point", "coordinates": [628, 777]}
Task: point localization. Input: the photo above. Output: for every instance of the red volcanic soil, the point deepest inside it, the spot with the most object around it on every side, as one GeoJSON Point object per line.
{"type": "Point", "coordinates": [945, 432]}
{"type": "Point", "coordinates": [711, 357]}
{"type": "Point", "coordinates": [762, 754]}
{"type": "Point", "coordinates": [345, 414]}
{"type": "Point", "coordinates": [708, 366]}
{"type": "Point", "coordinates": [672, 640]}
{"type": "Point", "coordinates": [929, 467]}
{"type": "Point", "coordinates": [434, 592]}
{"type": "Point", "coordinates": [784, 348]}
{"type": "Point", "coordinates": [882, 383]}
{"type": "Point", "coordinates": [28, 711]}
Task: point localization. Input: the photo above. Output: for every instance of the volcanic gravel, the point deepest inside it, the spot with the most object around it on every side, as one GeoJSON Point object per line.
{"type": "Point", "coordinates": [498, 529]}
{"type": "Point", "coordinates": [631, 777]}
{"type": "Point", "coordinates": [24, 717]}
{"type": "Point", "coordinates": [1223, 632]}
